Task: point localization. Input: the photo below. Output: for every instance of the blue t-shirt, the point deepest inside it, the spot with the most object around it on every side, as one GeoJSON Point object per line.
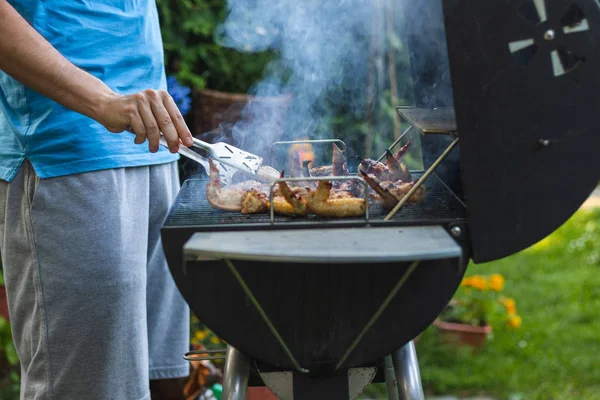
{"type": "Point", "coordinates": [119, 42]}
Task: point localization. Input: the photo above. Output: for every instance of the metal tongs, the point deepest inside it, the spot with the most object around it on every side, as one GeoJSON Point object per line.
{"type": "Point", "coordinates": [225, 173]}
{"type": "Point", "coordinates": [228, 160]}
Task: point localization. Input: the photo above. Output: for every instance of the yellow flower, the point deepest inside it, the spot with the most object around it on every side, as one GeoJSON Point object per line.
{"type": "Point", "coordinates": [476, 282]}
{"type": "Point", "coordinates": [215, 340]}
{"type": "Point", "coordinates": [479, 282]}
{"type": "Point", "coordinates": [514, 321]}
{"type": "Point", "coordinates": [511, 306]}
{"type": "Point", "coordinates": [497, 282]}
{"type": "Point", "coordinates": [201, 335]}
{"type": "Point", "coordinates": [466, 282]}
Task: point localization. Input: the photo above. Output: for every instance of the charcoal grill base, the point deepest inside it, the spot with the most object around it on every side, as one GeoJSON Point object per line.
{"type": "Point", "coordinates": [318, 307]}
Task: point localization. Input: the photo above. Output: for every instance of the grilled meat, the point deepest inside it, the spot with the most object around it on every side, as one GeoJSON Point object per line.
{"type": "Point", "coordinates": [247, 197]}
{"type": "Point", "coordinates": [338, 167]}
{"type": "Point", "coordinates": [390, 193]}
{"type": "Point", "coordinates": [228, 199]}
{"type": "Point", "coordinates": [326, 170]}
{"type": "Point", "coordinates": [352, 186]}
{"type": "Point", "coordinates": [321, 203]}
{"type": "Point", "coordinates": [252, 197]}
{"type": "Point", "coordinates": [390, 182]}
{"type": "Point", "coordinates": [393, 170]}
{"type": "Point", "coordinates": [255, 201]}
{"type": "Point", "coordinates": [402, 151]}
{"type": "Point", "coordinates": [292, 202]}
{"type": "Point", "coordinates": [398, 170]}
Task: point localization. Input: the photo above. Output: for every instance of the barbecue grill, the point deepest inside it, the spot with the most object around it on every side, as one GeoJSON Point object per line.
{"type": "Point", "coordinates": [317, 306]}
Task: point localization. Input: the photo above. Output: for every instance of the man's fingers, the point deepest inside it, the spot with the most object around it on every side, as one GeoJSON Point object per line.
{"type": "Point", "coordinates": [156, 113]}
{"type": "Point", "coordinates": [138, 128]}
{"type": "Point", "coordinates": [178, 121]}
{"type": "Point", "coordinates": [164, 121]}
{"type": "Point", "coordinates": [151, 126]}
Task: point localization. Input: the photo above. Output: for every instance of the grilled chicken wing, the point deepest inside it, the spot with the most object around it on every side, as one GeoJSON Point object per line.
{"type": "Point", "coordinates": [252, 197]}
{"type": "Point", "coordinates": [390, 193]}
{"type": "Point", "coordinates": [224, 199]}
{"type": "Point", "coordinates": [325, 170]}
{"type": "Point", "coordinates": [247, 197]}
{"type": "Point", "coordinates": [398, 170]}
{"type": "Point", "coordinates": [393, 170]}
{"type": "Point", "coordinates": [322, 203]}
{"type": "Point", "coordinates": [402, 151]}
{"type": "Point", "coordinates": [291, 202]}
{"type": "Point", "coordinates": [338, 167]}
{"type": "Point", "coordinates": [255, 202]}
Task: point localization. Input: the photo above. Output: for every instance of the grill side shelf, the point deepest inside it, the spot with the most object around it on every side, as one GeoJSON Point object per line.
{"type": "Point", "coordinates": [348, 245]}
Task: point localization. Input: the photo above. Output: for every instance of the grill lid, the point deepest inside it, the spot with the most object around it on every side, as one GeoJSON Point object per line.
{"type": "Point", "coordinates": [525, 82]}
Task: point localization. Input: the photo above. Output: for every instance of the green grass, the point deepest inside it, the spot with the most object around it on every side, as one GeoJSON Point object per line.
{"type": "Point", "coordinates": [556, 352]}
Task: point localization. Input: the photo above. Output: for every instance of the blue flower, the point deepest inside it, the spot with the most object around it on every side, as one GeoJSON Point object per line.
{"type": "Point", "coordinates": [180, 94]}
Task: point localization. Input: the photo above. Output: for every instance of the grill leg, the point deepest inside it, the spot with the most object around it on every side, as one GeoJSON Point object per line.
{"type": "Point", "coordinates": [235, 376]}
{"type": "Point", "coordinates": [408, 376]}
{"type": "Point", "coordinates": [390, 379]}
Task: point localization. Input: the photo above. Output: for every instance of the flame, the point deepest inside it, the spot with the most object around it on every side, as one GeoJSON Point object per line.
{"type": "Point", "coordinates": [304, 150]}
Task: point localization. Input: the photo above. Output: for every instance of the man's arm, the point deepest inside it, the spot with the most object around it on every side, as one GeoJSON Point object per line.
{"type": "Point", "coordinates": [29, 58]}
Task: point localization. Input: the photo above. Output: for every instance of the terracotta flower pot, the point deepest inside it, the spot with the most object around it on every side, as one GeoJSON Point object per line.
{"type": "Point", "coordinates": [214, 115]}
{"type": "Point", "coordinates": [213, 109]}
{"type": "Point", "coordinates": [463, 334]}
{"type": "Point", "coordinates": [3, 303]}
{"type": "Point", "coordinates": [260, 393]}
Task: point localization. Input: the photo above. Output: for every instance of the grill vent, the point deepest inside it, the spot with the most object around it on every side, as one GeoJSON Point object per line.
{"type": "Point", "coordinates": [562, 58]}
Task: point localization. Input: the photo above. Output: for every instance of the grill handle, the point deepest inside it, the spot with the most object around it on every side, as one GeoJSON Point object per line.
{"type": "Point", "coordinates": [206, 354]}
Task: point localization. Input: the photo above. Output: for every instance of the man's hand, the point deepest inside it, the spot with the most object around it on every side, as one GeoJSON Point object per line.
{"type": "Point", "coordinates": [147, 114]}
{"type": "Point", "coordinates": [30, 59]}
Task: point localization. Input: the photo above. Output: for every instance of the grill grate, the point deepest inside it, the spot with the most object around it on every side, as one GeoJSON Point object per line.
{"type": "Point", "coordinates": [191, 209]}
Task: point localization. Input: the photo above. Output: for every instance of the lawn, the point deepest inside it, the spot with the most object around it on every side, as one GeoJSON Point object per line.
{"type": "Point", "coordinates": [556, 352]}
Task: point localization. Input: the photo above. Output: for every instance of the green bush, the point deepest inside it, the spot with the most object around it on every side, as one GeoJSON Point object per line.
{"type": "Point", "coordinates": [192, 51]}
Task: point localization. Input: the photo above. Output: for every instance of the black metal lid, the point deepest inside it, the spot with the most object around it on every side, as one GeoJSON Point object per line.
{"type": "Point", "coordinates": [525, 77]}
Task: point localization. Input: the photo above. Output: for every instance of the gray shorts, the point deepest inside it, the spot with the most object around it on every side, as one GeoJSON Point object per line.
{"type": "Point", "coordinates": [94, 310]}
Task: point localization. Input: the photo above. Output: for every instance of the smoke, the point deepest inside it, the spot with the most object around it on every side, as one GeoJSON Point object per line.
{"type": "Point", "coordinates": [423, 31]}
{"type": "Point", "coordinates": [331, 61]}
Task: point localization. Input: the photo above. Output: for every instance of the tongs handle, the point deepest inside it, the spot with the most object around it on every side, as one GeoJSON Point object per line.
{"type": "Point", "coordinates": [185, 151]}
{"type": "Point", "coordinates": [201, 145]}
{"type": "Point", "coordinates": [189, 153]}
{"type": "Point", "coordinates": [225, 174]}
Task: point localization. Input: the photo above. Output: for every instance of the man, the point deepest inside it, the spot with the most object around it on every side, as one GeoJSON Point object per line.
{"type": "Point", "coordinates": [94, 311]}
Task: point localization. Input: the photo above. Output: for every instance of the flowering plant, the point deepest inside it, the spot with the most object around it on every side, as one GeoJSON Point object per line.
{"type": "Point", "coordinates": [479, 301]}
{"type": "Point", "coordinates": [201, 336]}
{"type": "Point", "coordinates": [180, 94]}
